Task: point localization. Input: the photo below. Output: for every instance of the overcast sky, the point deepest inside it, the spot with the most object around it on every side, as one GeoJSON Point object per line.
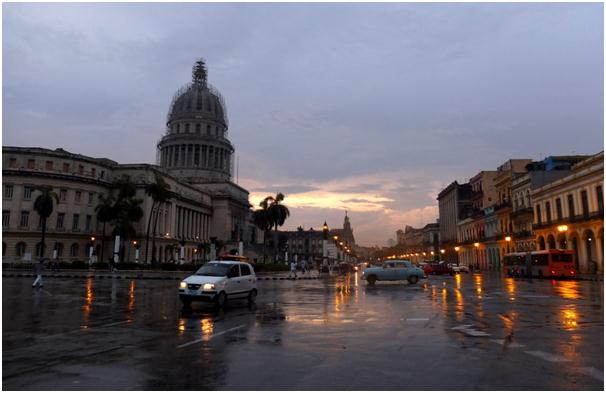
{"type": "Point", "coordinates": [373, 108]}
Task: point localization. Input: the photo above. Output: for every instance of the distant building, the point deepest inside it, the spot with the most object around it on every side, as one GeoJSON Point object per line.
{"type": "Point", "coordinates": [453, 201]}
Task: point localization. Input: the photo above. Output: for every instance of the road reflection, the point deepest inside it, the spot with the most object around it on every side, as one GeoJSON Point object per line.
{"type": "Point", "coordinates": [88, 304]}
{"type": "Point", "coordinates": [566, 289]}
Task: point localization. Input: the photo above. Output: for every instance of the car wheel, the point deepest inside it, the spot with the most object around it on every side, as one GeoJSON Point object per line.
{"type": "Point", "coordinates": [221, 300]}
{"type": "Point", "coordinates": [413, 279]}
{"type": "Point", "coordinates": [252, 296]}
{"type": "Point", "coordinates": [372, 279]}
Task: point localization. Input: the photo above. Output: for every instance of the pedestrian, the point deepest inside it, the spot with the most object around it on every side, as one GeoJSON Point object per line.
{"type": "Point", "coordinates": [293, 268]}
{"type": "Point", "coordinates": [38, 269]}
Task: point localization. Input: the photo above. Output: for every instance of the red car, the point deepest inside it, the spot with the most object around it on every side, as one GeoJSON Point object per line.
{"type": "Point", "coordinates": [437, 268]}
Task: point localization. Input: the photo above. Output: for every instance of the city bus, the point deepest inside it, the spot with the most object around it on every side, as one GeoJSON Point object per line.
{"type": "Point", "coordinates": [544, 263]}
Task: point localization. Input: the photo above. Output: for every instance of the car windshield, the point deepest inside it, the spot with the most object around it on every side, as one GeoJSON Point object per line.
{"type": "Point", "coordinates": [214, 269]}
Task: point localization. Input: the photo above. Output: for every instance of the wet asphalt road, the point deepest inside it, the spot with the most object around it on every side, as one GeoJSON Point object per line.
{"type": "Point", "coordinates": [454, 333]}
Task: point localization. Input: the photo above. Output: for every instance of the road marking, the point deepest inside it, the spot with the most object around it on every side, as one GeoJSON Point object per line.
{"type": "Point", "coordinates": [210, 337]}
{"type": "Point", "coordinates": [593, 372]}
{"type": "Point", "coordinates": [112, 324]}
{"type": "Point", "coordinates": [550, 357]}
{"type": "Point", "coordinates": [470, 331]}
{"type": "Point", "coordinates": [510, 345]}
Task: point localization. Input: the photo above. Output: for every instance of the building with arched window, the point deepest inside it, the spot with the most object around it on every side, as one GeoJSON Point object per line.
{"type": "Point", "coordinates": [204, 202]}
{"type": "Point", "coordinates": [569, 213]}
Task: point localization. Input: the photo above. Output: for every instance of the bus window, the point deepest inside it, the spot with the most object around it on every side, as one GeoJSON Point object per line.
{"type": "Point", "coordinates": [540, 260]}
{"type": "Point", "coordinates": [561, 257]}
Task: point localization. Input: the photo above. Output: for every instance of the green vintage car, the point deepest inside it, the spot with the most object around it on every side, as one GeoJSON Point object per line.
{"type": "Point", "coordinates": [393, 270]}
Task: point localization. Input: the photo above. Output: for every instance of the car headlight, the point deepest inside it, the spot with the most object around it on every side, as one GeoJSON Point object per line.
{"type": "Point", "coordinates": [183, 285]}
{"type": "Point", "coordinates": [209, 287]}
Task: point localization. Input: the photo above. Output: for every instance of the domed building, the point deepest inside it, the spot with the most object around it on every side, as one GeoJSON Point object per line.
{"type": "Point", "coordinates": [195, 159]}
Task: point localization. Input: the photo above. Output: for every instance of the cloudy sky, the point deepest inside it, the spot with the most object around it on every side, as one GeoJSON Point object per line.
{"type": "Point", "coordinates": [360, 107]}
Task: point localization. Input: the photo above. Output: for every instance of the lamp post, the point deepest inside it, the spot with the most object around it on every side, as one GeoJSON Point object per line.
{"type": "Point", "coordinates": [457, 248]}
{"type": "Point", "coordinates": [90, 252]}
{"type": "Point", "coordinates": [477, 246]}
{"type": "Point", "coordinates": [563, 229]}
{"type": "Point", "coordinates": [137, 247]}
{"type": "Point", "coordinates": [325, 245]}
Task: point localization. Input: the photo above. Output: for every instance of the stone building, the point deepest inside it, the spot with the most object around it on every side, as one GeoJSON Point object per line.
{"type": "Point", "coordinates": [453, 202]}
{"type": "Point", "coordinates": [569, 213]}
{"type": "Point", "coordinates": [195, 159]}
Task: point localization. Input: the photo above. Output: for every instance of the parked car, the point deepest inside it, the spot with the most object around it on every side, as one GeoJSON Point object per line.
{"type": "Point", "coordinates": [218, 282]}
{"type": "Point", "coordinates": [392, 271]}
{"type": "Point", "coordinates": [459, 268]}
{"type": "Point", "coordinates": [438, 268]}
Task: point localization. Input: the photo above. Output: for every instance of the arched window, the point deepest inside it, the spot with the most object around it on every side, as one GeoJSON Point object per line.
{"type": "Point", "coordinates": [59, 248]}
{"type": "Point", "coordinates": [20, 249]}
{"type": "Point", "coordinates": [73, 250]}
{"type": "Point", "coordinates": [38, 246]}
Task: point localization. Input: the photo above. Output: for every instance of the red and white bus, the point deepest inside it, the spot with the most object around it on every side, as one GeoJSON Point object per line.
{"type": "Point", "coordinates": [544, 263]}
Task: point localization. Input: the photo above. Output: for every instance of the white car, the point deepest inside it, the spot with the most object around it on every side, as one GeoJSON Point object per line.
{"type": "Point", "coordinates": [218, 281]}
{"type": "Point", "coordinates": [459, 268]}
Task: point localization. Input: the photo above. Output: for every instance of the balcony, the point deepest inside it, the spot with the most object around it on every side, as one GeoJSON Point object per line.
{"type": "Point", "coordinates": [522, 235]}
{"type": "Point", "coordinates": [502, 205]}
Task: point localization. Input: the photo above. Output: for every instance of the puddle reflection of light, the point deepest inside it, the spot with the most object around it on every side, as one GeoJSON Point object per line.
{"type": "Point", "coordinates": [458, 280]}
{"type": "Point", "coordinates": [460, 307]}
{"type": "Point", "coordinates": [181, 326]}
{"type": "Point", "coordinates": [88, 305]}
{"type": "Point", "coordinates": [207, 325]}
{"type": "Point", "coordinates": [569, 318]}
{"type": "Point", "coordinates": [131, 296]}
{"type": "Point", "coordinates": [567, 289]}
{"type": "Point", "coordinates": [510, 285]}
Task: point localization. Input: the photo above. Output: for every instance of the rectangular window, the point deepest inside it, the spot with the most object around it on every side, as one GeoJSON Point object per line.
{"type": "Point", "coordinates": [600, 195]}
{"type": "Point", "coordinates": [12, 162]}
{"type": "Point", "coordinates": [24, 222]}
{"type": "Point", "coordinates": [76, 222]}
{"type": "Point", "coordinates": [89, 220]}
{"type": "Point", "coordinates": [31, 164]}
{"type": "Point", "coordinates": [585, 203]}
{"type": "Point", "coordinates": [27, 193]}
{"type": "Point", "coordinates": [90, 198]}
{"type": "Point", "coordinates": [93, 172]}
{"type": "Point", "coordinates": [548, 212]}
{"type": "Point", "coordinates": [6, 218]}
{"type": "Point", "coordinates": [8, 192]}
{"type": "Point", "coordinates": [80, 169]}
{"type": "Point", "coordinates": [539, 218]}
{"type": "Point", "coordinates": [60, 220]}
{"type": "Point", "coordinates": [78, 196]}
{"type": "Point", "coordinates": [559, 208]}
{"type": "Point", "coordinates": [48, 165]}
{"type": "Point", "coordinates": [62, 195]}
{"type": "Point", "coordinates": [65, 167]}
{"type": "Point", "coordinates": [571, 212]}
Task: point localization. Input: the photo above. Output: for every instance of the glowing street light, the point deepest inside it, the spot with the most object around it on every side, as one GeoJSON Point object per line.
{"type": "Point", "coordinates": [562, 228]}
{"type": "Point", "coordinates": [457, 248]}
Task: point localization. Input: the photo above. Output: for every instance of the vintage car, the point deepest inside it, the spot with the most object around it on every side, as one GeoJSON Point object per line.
{"type": "Point", "coordinates": [393, 270]}
{"type": "Point", "coordinates": [438, 268]}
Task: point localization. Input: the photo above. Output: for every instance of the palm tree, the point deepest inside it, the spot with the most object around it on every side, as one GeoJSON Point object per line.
{"type": "Point", "coordinates": [278, 214]}
{"type": "Point", "coordinates": [105, 213]}
{"type": "Point", "coordinates": [159, 193]}
{"type": "Point", "coordinates": [262, 220]}
{"type": "Point", "coordinates": [127, 209]}
{"type": "Point", "coordinates": [43, 205]}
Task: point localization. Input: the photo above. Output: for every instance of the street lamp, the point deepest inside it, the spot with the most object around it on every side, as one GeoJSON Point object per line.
{"type": "Point", "coordinates": [137, 246]}
{"type": "Point", "coordinates": [325, 245]}
{"type": "Point", "coordinates": [457, 248]}
{"type": "Point", "coordinates": [477, 245]}
{"type": "Point", "coordinates": [92, 248]}
{"type": "Point", "coordinates": [508, 240]}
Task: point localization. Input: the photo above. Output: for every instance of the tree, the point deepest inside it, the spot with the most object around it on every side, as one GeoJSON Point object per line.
{"type": "Point", "coordinates": [278, 214]}
{"type": "Point", "coordinates": [262, 220]}
{"type": "Point", "coordinates": [43, 205]}
{"type": "Point", "coordinates": [127, 209]}
{"type": "Point", "coordinates": [159, 192]}
{"type": "Point", "coordinates": [105, 213]}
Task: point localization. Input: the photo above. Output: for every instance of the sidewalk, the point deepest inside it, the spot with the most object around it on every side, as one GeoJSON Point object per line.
{"type": "Point", "coordinates": [139, 274]}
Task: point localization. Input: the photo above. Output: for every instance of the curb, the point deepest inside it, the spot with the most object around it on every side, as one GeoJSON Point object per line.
{"type": "Point", "coordinates": [139, 277]}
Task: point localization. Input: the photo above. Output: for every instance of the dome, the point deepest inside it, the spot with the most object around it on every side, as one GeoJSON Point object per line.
{"type": "Point", "coordinates": [198, 100]}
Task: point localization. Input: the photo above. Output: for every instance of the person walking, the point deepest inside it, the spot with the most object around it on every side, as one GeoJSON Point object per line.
{"type": "Point", "coordinates": [303, 267]}
{"type": "Point", "coordinates": [38, 269]}
{"type": "Point", "coordinates": [293, 268]}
